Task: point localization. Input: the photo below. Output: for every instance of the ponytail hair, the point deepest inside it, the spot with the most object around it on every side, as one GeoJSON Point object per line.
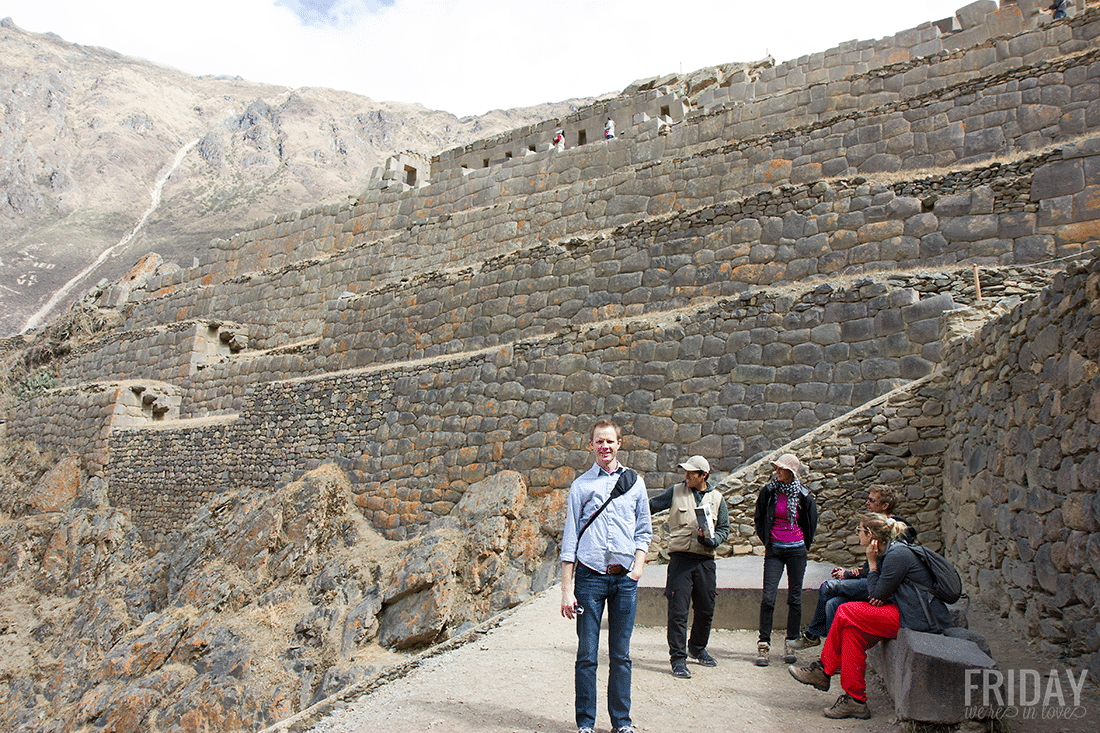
{"type": "Point", "coordinates": [883, 528]}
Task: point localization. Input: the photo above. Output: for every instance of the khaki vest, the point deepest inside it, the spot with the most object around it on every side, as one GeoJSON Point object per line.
{"type": "Point", "coordinates": [682, 525]}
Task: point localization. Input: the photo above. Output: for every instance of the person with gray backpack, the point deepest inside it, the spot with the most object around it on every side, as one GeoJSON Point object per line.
{"type": "Point", "coordinates": [907, 588]}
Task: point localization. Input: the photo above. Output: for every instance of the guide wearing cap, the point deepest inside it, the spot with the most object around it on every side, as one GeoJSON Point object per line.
{"type": "Point", "coordinates": [698, 523]}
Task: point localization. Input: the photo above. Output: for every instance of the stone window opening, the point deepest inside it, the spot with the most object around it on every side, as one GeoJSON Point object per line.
{"type": "Point", "coordinates": [508, 155]}
{"type": "Point", "coordinates": [410, 175]}
{"type": "Point", "coordinates": [582, 137]}
{"type": "Point", "coordinates": [531, 148]}
{"type": "Point", "coordinates": [665, 111]}
{"type": "Point", "coordinates": [485, 163]}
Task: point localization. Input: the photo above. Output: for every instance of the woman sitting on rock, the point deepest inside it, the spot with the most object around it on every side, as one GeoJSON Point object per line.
{"type": "Point", "coordinates": [895, 602]}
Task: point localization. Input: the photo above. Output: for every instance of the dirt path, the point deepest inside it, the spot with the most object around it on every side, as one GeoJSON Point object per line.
{"type": "Point", "coordinates": [519, 677]}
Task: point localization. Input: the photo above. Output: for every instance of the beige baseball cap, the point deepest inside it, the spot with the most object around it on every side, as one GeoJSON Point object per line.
{"type": "Point", "coordinates": [696, 463]}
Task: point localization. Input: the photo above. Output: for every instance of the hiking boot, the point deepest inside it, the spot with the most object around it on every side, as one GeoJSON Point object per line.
{"type": "Point", "coordinates": [788, 653]}
{"type": "Point", "coordinates": [625, 729]}
{"type": "Point", "coordinates": [704, 659]}
{"type": "Point", "coordinates": [762, 649]}
{"type": "Point", "coordinates": [812, 675]}
{"type": "Point", "coordinates": [804, 642]}
{"type": "Point", "coordinates": [585, 730]}
{"type": "Point", "coordinates": [680, 669]}
{"type": "Point", "coordinates": [847, 706]}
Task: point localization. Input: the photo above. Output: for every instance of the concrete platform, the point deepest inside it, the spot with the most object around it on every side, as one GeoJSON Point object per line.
{"type": "Point", "coordinates": [740, 586]}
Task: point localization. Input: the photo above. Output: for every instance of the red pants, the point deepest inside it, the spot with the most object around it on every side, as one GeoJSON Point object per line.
{"type": "Point", "coordinates": [857, 627]}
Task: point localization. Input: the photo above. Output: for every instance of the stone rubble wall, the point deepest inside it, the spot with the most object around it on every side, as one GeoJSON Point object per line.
{"type": "Point", "coordinates": [729, 380]}
{"type": "Point", "coordinates": [896, 440]}
{"type": "Point", "coordinates": [527, 204]}
{"type": "Point", "coordinates": [1021, 482]}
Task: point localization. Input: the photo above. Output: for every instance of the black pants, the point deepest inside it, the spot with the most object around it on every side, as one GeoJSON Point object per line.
{"type": "Point", "coordinates": [691, 582]}
{"type": "Point", "coordinates": [775, 560]}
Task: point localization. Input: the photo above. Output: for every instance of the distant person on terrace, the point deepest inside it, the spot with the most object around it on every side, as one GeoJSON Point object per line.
{"type": "Point", "coordinates": [559, 140]}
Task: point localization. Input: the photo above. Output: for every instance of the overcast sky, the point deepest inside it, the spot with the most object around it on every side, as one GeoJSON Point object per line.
{"type": "Point", "coordinates": [466, 56]}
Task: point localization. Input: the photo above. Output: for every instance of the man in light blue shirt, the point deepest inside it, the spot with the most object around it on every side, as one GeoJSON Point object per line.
{"type": "Point", "coordinates": [603, 550]}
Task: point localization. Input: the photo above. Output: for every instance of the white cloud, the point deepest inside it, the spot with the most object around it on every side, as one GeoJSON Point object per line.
{"type": "Point", "coordinates": [465, 56]}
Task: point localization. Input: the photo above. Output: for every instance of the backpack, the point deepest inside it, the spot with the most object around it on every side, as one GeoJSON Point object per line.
{"type": "Point", "coordinates": [946, 583]}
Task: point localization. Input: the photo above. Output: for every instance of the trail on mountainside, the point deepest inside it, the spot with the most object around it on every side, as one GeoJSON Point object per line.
{"type": "Point", "coordinates": [154, 202]}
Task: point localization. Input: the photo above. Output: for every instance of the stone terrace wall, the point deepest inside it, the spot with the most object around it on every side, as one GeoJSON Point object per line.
{"type": "Point", "coordinates": [928, 46]}
{"type": "Point", "coordinates": [80, 419]}
{"type": "Point", "coordinates": [974, 26]}
{"type": "Point", "coordinates": [221, 387]}
{"type": "Point", "coordinates": [289, 304]}
{"type": "Point", "coordinates": [1021, 488]}
{"type": "Point", "coordinates": [168, 354]}
{"type": "Point", "coordinates": [668, 262]}
{"type": "Point", "coordinates": [731, 380]}
{"type": "Point", "coordinates": [1033, 209]}
{"type": "Point", "coordinates": [590, 120]}
{"type": "Point", "coordinates": [1001, 99]}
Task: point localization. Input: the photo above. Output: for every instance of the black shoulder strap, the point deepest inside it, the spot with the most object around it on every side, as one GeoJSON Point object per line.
{"type": "Point", "coordinates": [623, 485]}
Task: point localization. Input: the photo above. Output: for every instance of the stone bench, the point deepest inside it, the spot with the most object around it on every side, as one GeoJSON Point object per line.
{"type": "Point", "coordinates": [740, 583]}
{"type": "Point", "coordinates": [926, 674]}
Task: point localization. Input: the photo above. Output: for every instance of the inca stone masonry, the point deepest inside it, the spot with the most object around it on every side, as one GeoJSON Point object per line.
{"type": "Point", "coordinates": [883, 252]}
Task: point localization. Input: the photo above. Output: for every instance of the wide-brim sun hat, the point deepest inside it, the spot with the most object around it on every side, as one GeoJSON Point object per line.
{"type": "Point", "coordinates": [788, 461]}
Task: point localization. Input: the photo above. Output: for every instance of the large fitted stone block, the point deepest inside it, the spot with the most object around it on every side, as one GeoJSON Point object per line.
{"type": "Point", "coordinates": [926, 674]}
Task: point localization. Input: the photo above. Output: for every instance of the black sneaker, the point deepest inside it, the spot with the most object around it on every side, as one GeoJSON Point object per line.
{"type": "Point", "coordinates": [680, 669]}
{"type": "Point", "coordinates": [705, 659]}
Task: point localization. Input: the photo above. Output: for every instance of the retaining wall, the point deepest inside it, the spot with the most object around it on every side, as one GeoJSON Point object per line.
{"type": "Point", "coordinates": [731, 380]}
{"type": "Point", "coordinates": [170, 354]}
{"type": "Point", "coordinates": [551, 202]}
{"type": "Point", "coordinates": [1033, 209]}
{"type": "Point", "coordinates": [896, 440]}
{"type": "Point", "coordinates": [1021, 484]}
{"type": "Point", "coordinates": [80, 419]}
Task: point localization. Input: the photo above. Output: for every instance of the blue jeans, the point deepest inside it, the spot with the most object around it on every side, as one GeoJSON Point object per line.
{"type": "Point", "coordinates": [620, 594]}
{"type": "Point", "coordinates": [775, 560]}
{"type": "Point", "coordinates": [832, 593]}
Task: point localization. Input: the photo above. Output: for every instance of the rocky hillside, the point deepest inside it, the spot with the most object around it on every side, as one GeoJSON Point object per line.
{"type": "Point", "coordinates": [88, 138]}
{"type": "Point", "coordinates": [266, 603]}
